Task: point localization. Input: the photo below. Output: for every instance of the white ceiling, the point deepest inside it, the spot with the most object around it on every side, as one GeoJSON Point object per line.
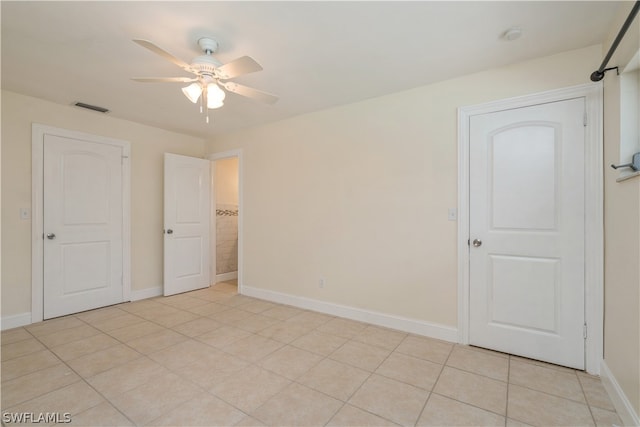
{"type": "Point", "coordinates": [315, 54]}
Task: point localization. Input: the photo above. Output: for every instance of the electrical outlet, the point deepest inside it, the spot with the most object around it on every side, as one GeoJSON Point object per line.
{"type": "Point", "coordinates": [452, 214]}
{"type": "Point", "coordinates": [321, 282]}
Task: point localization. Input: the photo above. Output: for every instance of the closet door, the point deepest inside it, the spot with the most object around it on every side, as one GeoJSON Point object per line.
{"type": "Point", "coordinates": [527, 229]}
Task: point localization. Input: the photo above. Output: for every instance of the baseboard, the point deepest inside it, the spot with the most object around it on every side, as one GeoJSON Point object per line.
{"type": "Point", "coordinates": [624, 408]}
{"type": "Point", "coordinates": [15, 321]}
{"type": "Point", "coordinates": [226, 276]}
{"type": "Point", "coordinates": [419, 327]}
{"type": "Point", "coordinates": [146, 293]}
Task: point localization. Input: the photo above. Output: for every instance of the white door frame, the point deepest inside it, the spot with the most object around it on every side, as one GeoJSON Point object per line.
{"type": "Point", "coordinates": [594, 258]}
{"type": "Point", "coordinates": [219, 156]}
{"type": "Point", "coordinates": [38, 132]}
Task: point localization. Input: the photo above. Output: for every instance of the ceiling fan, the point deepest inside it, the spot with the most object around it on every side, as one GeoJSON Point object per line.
{"type": "Point", "coordinates": [210, 75]}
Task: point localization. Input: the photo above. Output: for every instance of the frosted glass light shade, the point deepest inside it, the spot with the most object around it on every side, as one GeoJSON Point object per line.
{"type": "Point", "coordinates": [212, 103]}
{"type": "Point", "coordinates": [192, 92]}
{"type": "Point", "coordinates": [215, 96]}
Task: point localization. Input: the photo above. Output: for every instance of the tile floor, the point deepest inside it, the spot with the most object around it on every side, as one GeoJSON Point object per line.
{"type": "Point", "coordinates": [212, 357]}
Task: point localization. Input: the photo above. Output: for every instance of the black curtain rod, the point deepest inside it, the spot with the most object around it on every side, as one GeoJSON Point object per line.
{"type": "Point", "coordinates": [598, 75]}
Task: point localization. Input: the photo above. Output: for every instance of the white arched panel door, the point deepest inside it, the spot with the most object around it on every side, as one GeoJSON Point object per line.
{"type": "Point", "coordinates": [187, 195]}
{"type": "Point", "coordinates": [527, 231]}
{"type": "Point", "coordinates": [82, 225]}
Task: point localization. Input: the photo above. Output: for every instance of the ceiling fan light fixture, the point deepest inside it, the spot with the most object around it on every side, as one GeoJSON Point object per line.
{"type": "Point", "coordinates": [192, 92]}
{"type": "Point", "coordinates": [213, 104]}
{"type": "Point", "coordinates": [208, 71]}
{"type": "Point", "coordinates": [215, 96]}
{"type": "Point", "coordinates": [214, 92]}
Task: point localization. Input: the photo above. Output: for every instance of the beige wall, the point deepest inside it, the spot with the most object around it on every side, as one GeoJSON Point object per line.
{"type": "Point", "coordinates": [358, 194]}
{"type": "Point", "coordinates": [622, 233]}
{"type": "Point", "coordinates": [226, 181]}
{"type": "Point", "coordinates": [147, 147]}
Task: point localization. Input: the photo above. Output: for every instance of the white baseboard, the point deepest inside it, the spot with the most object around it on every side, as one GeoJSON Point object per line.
{"type": "Point", "coordinates": [624, 408]}
{"type": "Point", "coordinates": [419, 327]}
{"type": "Point", "coordinates": [226, 276]}
{"type": "Point", "coordinates": [146, 293]}
{"type": "Point", "coordinates": [15, 321]}
{"type": "Point", "coordinates": [23, 319]}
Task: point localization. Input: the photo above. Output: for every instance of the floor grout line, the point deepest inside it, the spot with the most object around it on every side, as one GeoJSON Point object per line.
{"type": "Point", "coordinates": [431, 392]}
{"type": "Point", "coordinates": [81, 378]}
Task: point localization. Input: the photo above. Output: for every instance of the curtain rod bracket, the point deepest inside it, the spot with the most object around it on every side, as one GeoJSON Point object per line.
{"type": "Point", "coordinates": [596, 76]}
{"type": "Point", "coordinates": [634, 165]}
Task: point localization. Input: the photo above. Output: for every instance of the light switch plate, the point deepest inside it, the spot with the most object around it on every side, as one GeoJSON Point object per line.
{"type": "Point", "coordinates": [452, 214]}
{"type": "Point", "coordinates": [25, 213]}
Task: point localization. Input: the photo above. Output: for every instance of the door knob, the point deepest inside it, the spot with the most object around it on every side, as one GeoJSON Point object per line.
{"type": "Point", "coordinates": [169, 231]}
{"type": "Point", "coordinates": [477, 243]}
{"type": "Point", "coordinates": [51, 236]}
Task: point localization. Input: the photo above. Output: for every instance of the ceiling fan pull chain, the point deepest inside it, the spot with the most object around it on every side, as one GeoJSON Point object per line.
{"type": "Point", "coordinates": [201, 101]}
{"type": "Point", "coordinates": [205, 97]}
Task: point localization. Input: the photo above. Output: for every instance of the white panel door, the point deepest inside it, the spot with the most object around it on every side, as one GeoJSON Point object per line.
{"type": "Point", "coordinates": [83, 220]}
{"type": "Point", "coordinates": [187, 195]}
{"type": "Point", "coordinates": [527, 231]}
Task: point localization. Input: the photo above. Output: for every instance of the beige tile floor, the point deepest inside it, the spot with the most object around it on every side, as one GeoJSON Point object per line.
{"type": "Point", "coordinates": [212, 357]}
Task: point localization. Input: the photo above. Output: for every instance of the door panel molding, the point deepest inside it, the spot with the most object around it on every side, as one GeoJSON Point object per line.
{"type": "Point", "coordinates": [594, 258]}
{"type": "Point", "coordinates": [38, 132]}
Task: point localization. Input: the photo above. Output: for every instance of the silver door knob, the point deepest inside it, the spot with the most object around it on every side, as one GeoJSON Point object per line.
{"type": "Point", "coordinates": [477, 243]}
{"type": "Point", "coordinates": [51, 236]}
{"type": "Point", "coordinates": [169, 231]}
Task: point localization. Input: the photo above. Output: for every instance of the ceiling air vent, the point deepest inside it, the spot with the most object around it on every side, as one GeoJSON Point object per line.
{"type": "Point", "coordinates": [91, 107]}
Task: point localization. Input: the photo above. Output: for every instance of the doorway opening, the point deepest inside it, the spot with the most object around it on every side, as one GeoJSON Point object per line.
{"type": "Point", "coordinates": [225, 218]}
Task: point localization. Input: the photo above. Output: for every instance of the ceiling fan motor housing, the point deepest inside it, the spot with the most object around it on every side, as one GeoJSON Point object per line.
{"type": "Point", "coordinates": [206, 64]}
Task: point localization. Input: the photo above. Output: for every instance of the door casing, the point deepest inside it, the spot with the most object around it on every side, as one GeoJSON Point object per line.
{"type": "Point", "coordinates": [594, 252]}
{"type": "Point", "coordinates": [38, 132]}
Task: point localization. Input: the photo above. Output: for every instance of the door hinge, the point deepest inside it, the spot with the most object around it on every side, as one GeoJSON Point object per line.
{"type": "Point", "coordinates": [584, 331]}
{"type": "Point", "coordinates": [584, 120]}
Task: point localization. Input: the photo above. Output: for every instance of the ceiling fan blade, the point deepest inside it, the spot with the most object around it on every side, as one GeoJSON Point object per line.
{"type": "Point", "coordinates": [165, 79]}
{"type": "Point", "coordinates": [238, 67]}
{"type": "Point", "coordinates": [166, 55]}
{"type": "Point", "coordinates": [249, 92]}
